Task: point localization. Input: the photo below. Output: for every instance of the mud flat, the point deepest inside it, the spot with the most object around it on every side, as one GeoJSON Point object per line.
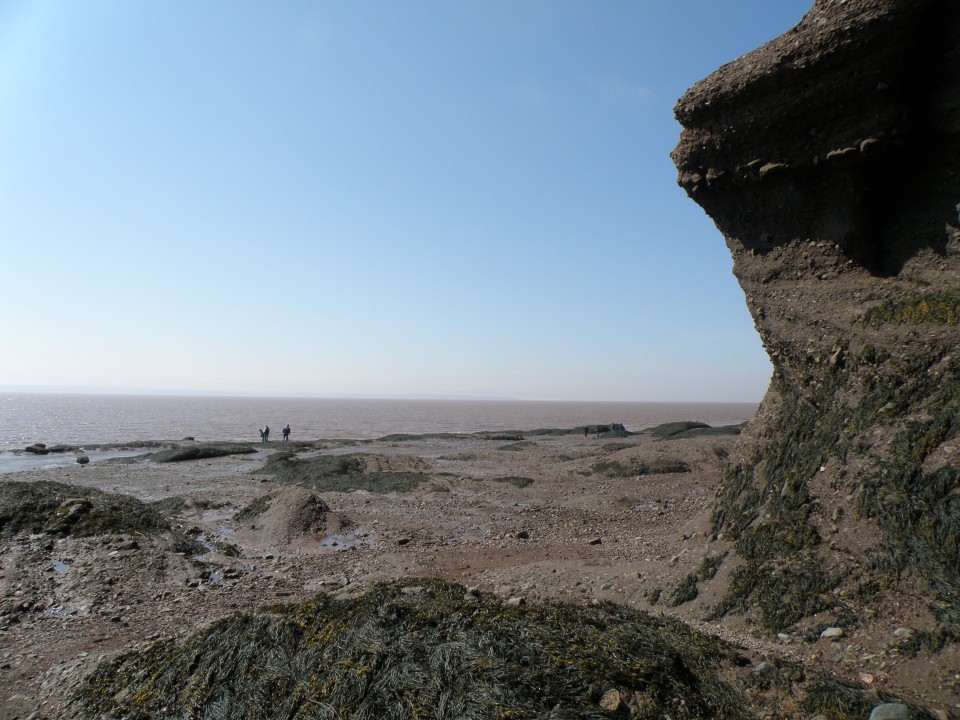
{"type": "Point", "coordinates": [611, 528]}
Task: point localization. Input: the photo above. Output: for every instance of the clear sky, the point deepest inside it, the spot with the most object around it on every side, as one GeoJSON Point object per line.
{"type": "Point", "coordinates": [420, 198]}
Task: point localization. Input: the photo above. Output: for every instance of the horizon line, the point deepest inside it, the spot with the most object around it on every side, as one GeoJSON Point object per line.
{"type": "Point", "coordinates": [184, 392]}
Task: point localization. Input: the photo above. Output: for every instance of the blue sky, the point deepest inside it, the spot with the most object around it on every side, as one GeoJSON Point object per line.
{"type": "Point", "coordinates": [377, 198]}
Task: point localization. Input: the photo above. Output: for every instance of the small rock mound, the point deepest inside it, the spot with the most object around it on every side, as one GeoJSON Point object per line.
{"type": "Point", "coordinates": [202, 451]}
{"type": "Point", "coordinates": [690, 429]}
{"type": "Point", "coordinates": [287, 515]}
{"type": "Point", "coordinates": [61, 509]}
{"type": "Point", "coordinates": [346, 473]}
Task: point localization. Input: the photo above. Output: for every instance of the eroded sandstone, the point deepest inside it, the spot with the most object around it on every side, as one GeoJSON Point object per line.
{"type": "Point", "coordinates": [828, 159]}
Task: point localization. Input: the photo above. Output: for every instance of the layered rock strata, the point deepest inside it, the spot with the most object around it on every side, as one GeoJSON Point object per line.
{"type": "Point", "coordinates": [829, 160]}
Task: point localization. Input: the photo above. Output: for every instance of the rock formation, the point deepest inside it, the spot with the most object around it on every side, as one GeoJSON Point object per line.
{"type": "Point", "coordinates": [829, 160]}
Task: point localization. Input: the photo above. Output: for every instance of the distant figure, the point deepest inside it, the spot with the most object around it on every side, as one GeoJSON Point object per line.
{"type": "Point", "coordinates": [261, 434]}
{"type": "Point", "coordinates": [286, 432]}
{"type": "Point", "coordinates": [266, 433]}
{"type": "Point", "coordinates": [586, 430]}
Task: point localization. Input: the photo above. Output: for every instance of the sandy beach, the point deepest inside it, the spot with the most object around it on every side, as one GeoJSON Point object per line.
{"type": "Point", "coordinates": [553, 516]}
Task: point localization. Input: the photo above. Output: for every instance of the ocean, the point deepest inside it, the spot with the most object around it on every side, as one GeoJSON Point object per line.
{"type": "Point", "coordinates": [78, 419]}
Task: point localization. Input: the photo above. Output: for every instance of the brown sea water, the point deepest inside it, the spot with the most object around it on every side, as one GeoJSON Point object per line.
{"type": "Point", "coordinates": [79, 419]}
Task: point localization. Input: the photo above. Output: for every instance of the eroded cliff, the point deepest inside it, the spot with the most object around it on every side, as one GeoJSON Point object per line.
{"type": "Point", "coordinates": [828, 159]}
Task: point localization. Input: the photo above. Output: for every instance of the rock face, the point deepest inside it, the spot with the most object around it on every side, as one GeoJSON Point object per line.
{"type": "Point", "coordinates": [829, 160]}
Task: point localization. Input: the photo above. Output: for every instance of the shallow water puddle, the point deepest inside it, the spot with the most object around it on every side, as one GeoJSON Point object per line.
{"type": "Point", "coordinates": [346, 541]}
{"type": "Point", "coordinates": [17, 460]}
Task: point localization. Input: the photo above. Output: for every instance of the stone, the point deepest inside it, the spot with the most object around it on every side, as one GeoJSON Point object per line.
{"type": "Point", "coordinates": [515, 602]}
{"type": "Point", "coordinates": [595, 541]}
{"type": "Point", "coordinates": [611, 701]}
{"type": "Point", "coordinates": [82, 459]}
{"type": "Point", "coordinates": [764, 669]}
{"type": "Point", "coordinates": [771, 168]}
{"type": "Point", "coordinates": [903, 633]}
{"type": "Point", "coordinates": [832, 633]}
{"type": "Point", "coordinates": [892, 711]}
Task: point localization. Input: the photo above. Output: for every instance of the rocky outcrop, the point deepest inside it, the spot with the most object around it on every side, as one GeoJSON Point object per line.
{"type": "Point", "coordinates": [829, 160]}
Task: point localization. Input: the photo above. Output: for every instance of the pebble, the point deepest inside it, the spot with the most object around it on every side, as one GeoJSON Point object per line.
{"type": "Point", "coordinates": [764, 669]}
{"type": "Point", "coordinates": [903, 633]}
{"type": "Point", "coordinates": [515, 602]}
{"type": "Point", "coordinates": [891, 711]}
{"type": "Point", "coordinates": [832, 633]}
{"type": "Point", "coordinates": [611, 700]}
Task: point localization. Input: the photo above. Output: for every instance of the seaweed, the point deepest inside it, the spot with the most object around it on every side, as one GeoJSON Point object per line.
{"type": "Point", "coordinates": [764, 504]}
{"type": "Point", "coordinates": [709, 566]}
{"type": "Point", "coordinates": [930, 641]}
{"type": "Point", "coordinates": [338, 473]}
{"type": "Point", "coordinates": [836, 699]}
{"type": "Point", "coordinates": [612, 468]}
{"type": "Point", "coordinates": [939, 307]}
{"type": "Point", "coordinates": [685, 591]}
{"type": "Point", "coordinates": [61, 509]}
{"type": "Point", "coordinates": [202, 451]}
{"type": "Point", "coordinates": [255, 507]}
{"type": "Point", "coordinates": [518, 446]}
{"type": "Point", "coordinates": [638, 467]}
{"type": "Point", "coordinates": [616, 447]}
{"type": "Point", "coordinates": [515, 480]}
{"type": "Point", "coordinates": [690, 429]}
{"type": "Point", "coordinates": [421, 649]}
{"type": "Point", "coordinates": [661, 466]}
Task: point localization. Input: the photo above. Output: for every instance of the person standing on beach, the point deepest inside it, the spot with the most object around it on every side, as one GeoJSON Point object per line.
{"type": "Point", "coordinates": [265, 433]}
{"type": "Point", "coordinates": [286, 432]}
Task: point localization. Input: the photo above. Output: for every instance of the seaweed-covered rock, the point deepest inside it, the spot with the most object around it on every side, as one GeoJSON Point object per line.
{"type": "Point", "coordinates": [201, 451]}
{"type": "Point", "coordinates": [345, 473]}
{"type": "Point", "coordinates": [61, 509]}
{"type": "Point", "coordinates": [690, 429]}
{"type": "Point", "coordinates": [419, 648]}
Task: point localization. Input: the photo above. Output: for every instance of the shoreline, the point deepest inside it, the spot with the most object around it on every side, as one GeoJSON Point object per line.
{"type": "Point", "coordinates": [541, 517]}
{"type": "Point", "coordinates": [86, 420]}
